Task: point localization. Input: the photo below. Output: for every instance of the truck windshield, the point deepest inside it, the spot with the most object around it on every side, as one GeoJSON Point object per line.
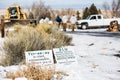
{"type": "Point", "coordinates": [88, 17]}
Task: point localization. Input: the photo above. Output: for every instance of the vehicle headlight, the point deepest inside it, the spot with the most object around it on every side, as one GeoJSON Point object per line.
{"type": "Point", "coordinates": [77, 23]}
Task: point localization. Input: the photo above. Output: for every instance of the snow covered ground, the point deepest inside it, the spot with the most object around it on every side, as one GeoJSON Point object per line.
{"type": "Point", "coordinates": [95, 50]}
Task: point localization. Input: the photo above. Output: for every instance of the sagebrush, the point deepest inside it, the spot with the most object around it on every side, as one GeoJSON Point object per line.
{"type": "Point", "coordinates": [42, 37]}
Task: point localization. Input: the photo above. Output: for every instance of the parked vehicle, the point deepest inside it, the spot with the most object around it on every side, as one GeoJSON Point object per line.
{"type": "Point", "coordinates": [95, 21]}
{"type": "Point", "coordinates": [14, 14]}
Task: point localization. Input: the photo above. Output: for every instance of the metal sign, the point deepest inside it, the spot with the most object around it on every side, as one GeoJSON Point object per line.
{"type": "Point", "coordinates": [44, 57]}
{"type": "Point", "coordinates": [64, 55]}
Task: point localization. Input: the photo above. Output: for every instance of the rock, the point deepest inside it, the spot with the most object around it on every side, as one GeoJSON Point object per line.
{"type": "Point", "coordinates": [117, 55]}
{"type": "Point", "coordinates": [91, 44]}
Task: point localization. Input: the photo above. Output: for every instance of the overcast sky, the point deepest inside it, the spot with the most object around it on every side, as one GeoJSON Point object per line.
{"type": "Point", "coordinates": [56, 4]}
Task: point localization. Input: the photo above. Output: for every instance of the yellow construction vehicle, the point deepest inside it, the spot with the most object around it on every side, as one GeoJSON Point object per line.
{"type": "Point", "coordinates": [15, 12]}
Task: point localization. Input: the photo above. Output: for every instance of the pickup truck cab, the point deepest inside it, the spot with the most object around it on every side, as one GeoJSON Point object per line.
{"type": "Point", "coordinates": [95, 21]}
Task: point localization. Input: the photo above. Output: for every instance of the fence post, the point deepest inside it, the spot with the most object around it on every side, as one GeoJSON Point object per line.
{"type": "Point", "coordinates": [2, 26]}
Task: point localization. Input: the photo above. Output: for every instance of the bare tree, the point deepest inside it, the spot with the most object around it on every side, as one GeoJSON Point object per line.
{"type": "Point", "coordinates": [106, 8]}
{"type": "Point", "coordinates": [68, 11]}
{"type": "Point", "coordinates": [40, 10]}
{"type": "Point", "coordinates": [115, 8]}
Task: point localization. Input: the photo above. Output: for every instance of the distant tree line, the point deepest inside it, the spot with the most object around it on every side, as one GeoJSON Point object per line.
{"type": "Point", "coordinates": [39, 10]}
{"type": "Point", "coordinates": [90, 10]}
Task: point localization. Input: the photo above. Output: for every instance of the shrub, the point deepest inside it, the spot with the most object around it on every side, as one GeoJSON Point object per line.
{"type": "Point", "coordinates": [38, 73]}
{"type": "Point", "coordinates": [32, 72]}
{"type": "Point", "coordinates": [17, 27]}
{"type": "Point", "coordinates": [54, 38]}
{"type": "Point", "coordinates": [41, 37]}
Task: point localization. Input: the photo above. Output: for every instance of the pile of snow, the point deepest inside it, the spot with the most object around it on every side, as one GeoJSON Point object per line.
{"type": "Point", "coordinates": [94, 53]}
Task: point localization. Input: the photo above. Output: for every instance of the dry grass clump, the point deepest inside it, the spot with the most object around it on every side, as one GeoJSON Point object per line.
{"type": "Point", "coordinates": [42, 37]}
{"type": "Point", "coordinates": [38, 73]}
{"type": "Point", "coordinates": [56, 38]}
{"type": "Point", "coordinates": [44, 27]}
{"type": "Point", "coordinates": [32, 72]}
{"type": "Point", "coordinates": [17, 27]}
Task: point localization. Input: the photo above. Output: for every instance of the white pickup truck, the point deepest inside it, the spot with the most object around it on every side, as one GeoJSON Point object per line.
{"type": "Point", "coordinates": [95, 21]}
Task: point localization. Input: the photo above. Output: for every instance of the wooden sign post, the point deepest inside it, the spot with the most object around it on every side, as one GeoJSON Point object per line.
{"type": "Point", "coordinates": [2, 26]}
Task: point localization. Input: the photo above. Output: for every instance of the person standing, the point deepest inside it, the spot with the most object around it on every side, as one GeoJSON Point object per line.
{"type": "Point", "coordinates": [64, 22]}
{"type": "Point", "coordinates": [73, 21]}
{"type": "Point", "coordinates": [41, 20]}
{"type": "Point", "coordinates": [46, 20]}
{"type": "Point", "coordinates": [58, 20]}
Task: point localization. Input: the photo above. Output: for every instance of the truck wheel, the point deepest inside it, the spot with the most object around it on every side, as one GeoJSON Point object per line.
{"type": "Point", "coordinates": [78, 27]}
{"type": "Point", "coordinates": [84, 26]}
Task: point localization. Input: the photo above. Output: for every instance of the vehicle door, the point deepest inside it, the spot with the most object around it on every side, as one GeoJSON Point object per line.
{"type": "Point", "coordinates": [95, 21]}
{"type": "Point", "coordinates": [92, 21]}
{"type": "Point", "coordinates": [99, 21]}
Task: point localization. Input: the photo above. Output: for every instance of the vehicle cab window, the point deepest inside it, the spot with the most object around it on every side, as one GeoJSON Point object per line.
{"type": "Point", "coordinates": [99, 17]}
{"type": "Point", "coordinates": [93, 17]}
{"type": "Point", "coordinates": [13, 10]}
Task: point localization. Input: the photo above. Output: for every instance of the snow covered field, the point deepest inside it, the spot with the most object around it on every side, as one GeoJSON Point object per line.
{"type": "Point", "coordinates": [95, 50]}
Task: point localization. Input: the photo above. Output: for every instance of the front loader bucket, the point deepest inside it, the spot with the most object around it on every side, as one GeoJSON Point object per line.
{"type": "Point", "coordinates": [20, 21]}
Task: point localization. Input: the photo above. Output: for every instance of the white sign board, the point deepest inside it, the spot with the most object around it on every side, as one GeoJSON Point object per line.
{"type": "Point", "coordinates": [44, 57]}
{"type": "Point", "coordinates": [64, 55]}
